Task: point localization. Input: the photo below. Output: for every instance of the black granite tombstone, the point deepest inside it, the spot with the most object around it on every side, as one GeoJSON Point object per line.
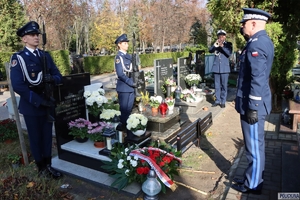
{"type": "Point", "coordinates": [70, 105]}
{"type": "Point", "coordinates": [182, 71]}
{"type": "Point", "coordinates": [163, 69]}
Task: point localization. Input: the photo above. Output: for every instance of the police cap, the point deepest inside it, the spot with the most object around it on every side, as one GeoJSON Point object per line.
{"type": "Point", "coordinates": [255, 14]}
{"type": "Point", "coordinates": [29, 28]}
{"type": "Point", "coordinates": [221, 32]}
{"type": "Point", "coordinates": [122, 38]}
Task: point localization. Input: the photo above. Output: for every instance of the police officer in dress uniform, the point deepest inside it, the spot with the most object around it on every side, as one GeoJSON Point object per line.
{"type": "Point", "coordinates": [125, 84]}
{"type": "Point", "coordinates": [26, 74]}
{"type": "Point", "coordinates": [253, 98]}
{"type": "Point", "coordinates": [221, 68]}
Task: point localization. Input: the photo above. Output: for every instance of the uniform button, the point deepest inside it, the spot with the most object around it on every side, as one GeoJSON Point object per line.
{"type": "Point", "coordinates": [256, 104]}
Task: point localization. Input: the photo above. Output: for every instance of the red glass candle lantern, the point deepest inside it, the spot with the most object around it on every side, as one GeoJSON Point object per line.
{"type": "Point", "coordinates": [163, 107]}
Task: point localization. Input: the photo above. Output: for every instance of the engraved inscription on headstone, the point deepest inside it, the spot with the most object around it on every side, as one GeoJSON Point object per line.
{"type": "Point", "coordinates": [163, 69]}
{"type": "Point", "coordinates": [70, 104]}
{"type": "Point", "coordinates": [182, 71]}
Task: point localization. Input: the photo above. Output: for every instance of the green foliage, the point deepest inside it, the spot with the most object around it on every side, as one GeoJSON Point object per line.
{"type": "Point", "coordinates": [62, 61]}
{"type": "Point", "coordinates": [13, 158]}
{"type": "Point", "coordinates": [11, 19]}
{"type": "Point", "coordinates": [8, 129]}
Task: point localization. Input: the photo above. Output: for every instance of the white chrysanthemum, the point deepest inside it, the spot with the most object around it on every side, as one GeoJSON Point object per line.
{"type": "Point", "coordinates": [120, 165]}
{"type": "Point", "coordinates": [144, 122]}
{"type": "Point", "coordinates": [133, 163]}
{"type": "Point", "coordinates": [95, 94]}
{"type": "Point", "coordinates": [89, 101]}
{"type": "Point", "coordinates": [121, 160]}
{"type": "Point", "coordinates": [86, 94]}
{"type": "Point", "coordinates": [135, 158]}
{"type": "Point", "coordinates": [128, 157]}
{"type": "Point", "coordinates": [127, 172]}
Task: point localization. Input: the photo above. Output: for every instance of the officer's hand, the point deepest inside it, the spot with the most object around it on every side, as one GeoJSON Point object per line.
{"type": "Point", "coordinates": [47, 103]}
{"type": "Point", "coordinates": [48, 78]}
{"type": "Point", "coordinates": [252, 116]}
{"type": "Point", "coordinates": [134, 85]}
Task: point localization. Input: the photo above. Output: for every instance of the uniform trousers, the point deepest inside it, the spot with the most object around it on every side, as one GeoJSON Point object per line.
{"type": "Point", "coordinates": [126, 100]}
{"type": "Point", "coordinates": [40, 136]}
{"type": "Point", "coordinates": [255, 151]}
{"type": "Point", "coordinates": [221, 81]}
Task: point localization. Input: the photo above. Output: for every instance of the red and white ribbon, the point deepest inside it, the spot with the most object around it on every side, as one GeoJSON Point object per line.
{"type": "Point", "coordinates": [160, 173]}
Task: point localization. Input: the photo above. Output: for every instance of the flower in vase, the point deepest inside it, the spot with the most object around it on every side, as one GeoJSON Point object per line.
{"type": "Point", "coordinates": [96, 129]}
{"type": "Point", "coordinates": [192, 79]}
{"type": "Point", "coordinates": [108, 114]}
{"type": "Point", "coordinates": [136, 122]}
{"type": "Point", "coordinates": [95, 100]}
{"type": "Point", "coordinates": [170, 101]}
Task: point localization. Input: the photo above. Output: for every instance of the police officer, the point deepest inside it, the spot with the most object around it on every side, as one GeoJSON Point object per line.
{"type": "Point", "coordinates": [27, 79]}
{"type": "Point", "coordinates": [221, 68]}
{"type": "Point", "coordinates": [253, 98]}
{"type": "Point", "coordinates": [125, 84]}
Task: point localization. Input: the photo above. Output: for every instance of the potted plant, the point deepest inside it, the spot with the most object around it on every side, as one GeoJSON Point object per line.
{"type": "Point", "coordinates": [79, 129]}
{"type": "Point", "coordinates": [94, 101]}
{"type": "Point", "coordinates": [155, 102]}
{"type": "Point", "coordinates": [95, 131]}
{"type": "Point", "coordinates": [170, 102]}
{"type": "Point", "coordinates": [14, 159]}
{"type": "Point", "coordinates": [8, 130]}
{"type": "Point", "coordinates": [137, 123]}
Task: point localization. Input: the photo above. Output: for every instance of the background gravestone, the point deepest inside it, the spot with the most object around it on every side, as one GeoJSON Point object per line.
{"type": "Point", "coordinates": [182, 71]}
{"type": "Point", "coordinates": [163, 69]}
{"type": "Point", "coordinates": [200, 63]}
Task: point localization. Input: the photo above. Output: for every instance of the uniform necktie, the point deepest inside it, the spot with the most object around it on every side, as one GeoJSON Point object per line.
{"type": "Point", "coordinates": [36, 53]}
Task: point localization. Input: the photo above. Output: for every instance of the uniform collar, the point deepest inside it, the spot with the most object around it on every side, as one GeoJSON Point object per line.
{"type": "Point", "coordinates": [123, 52]}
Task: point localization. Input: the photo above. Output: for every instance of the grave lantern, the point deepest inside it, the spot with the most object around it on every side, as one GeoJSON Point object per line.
{"type": "Point", "coordinates": [151, 187]}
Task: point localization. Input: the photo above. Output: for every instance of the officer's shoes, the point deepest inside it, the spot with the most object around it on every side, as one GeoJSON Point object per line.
{"type": "Point", "coordinates": [222, 105]}
{"type": "Point", "coordinates": [238, 181]}
{"type": "Point", "coordinates": [242, 188]}
{"type": "Point", "coordinates": [50, 172]}
{"type": "Point", "coordinates": [215, 104]}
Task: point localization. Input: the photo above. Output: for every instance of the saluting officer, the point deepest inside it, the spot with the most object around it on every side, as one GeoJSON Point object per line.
{"type": "Point", "coordinates": [221, 68]}
{"type": "Point", "coordinates": [26, 74]}
{"type": "Point", "coordinates": [253, 98]}
{"type": "Point", "coordinates": [125, 84]}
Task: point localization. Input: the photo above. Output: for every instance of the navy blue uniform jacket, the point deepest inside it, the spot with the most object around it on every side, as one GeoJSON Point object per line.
{"type": "Point", "coordinates": [221, 61]}
{"type": "Point", "coordinates": [30, 101]}
{"type": "Point", "coordinates": [253, 90]}
{"type": "Point", "coordinates": [123, 64]}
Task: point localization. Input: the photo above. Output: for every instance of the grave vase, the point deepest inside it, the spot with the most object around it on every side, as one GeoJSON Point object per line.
{"type": "Point", "coordinates": [168, 87]}
{"type": "Point", "coordinates": [163, 108]}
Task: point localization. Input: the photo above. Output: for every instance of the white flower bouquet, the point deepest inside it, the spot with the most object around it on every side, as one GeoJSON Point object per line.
{"type": "Point", "coordinates": [108, 114]}
{"type": "Point", "coordinates": [94, 101]}
{"type": "Point", "coordinates": [136, 122]}
{"type": "Point", "coordinates": [192, 79]}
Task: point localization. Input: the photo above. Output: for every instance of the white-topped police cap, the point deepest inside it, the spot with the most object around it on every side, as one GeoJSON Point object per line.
{"type": "Point", "coordinates": [255, 14]}
{"type": "Point", "coordinates": [221, 32]}
{"type": "Point", "coordinates": [30, 27]}
{"type": "Point", "coordinates": [122, 38]}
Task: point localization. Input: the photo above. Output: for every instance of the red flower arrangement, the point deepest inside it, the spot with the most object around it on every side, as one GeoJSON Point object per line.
{"type": "Point", "coordinates": [132, 164]}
